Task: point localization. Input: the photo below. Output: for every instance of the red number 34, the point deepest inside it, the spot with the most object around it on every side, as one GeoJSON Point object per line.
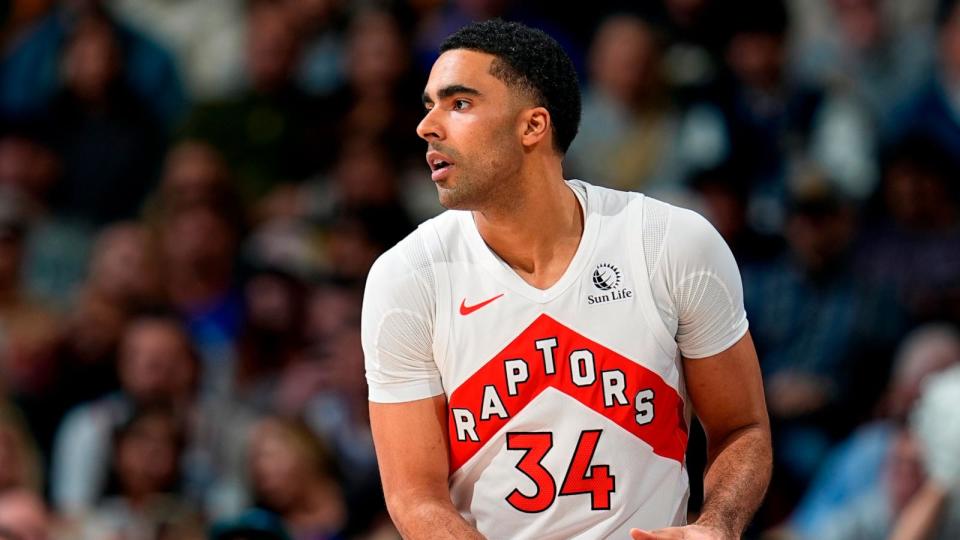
{"type": "Point", "coordinates": [581, 477]}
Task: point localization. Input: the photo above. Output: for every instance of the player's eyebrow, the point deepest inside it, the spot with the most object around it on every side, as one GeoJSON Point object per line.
{"type": "Point", "coordinates": [451, 90]}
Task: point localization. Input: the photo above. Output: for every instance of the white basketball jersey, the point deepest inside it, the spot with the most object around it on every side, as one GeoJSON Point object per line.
{"type": "Point", "coordinates": [566, 407]}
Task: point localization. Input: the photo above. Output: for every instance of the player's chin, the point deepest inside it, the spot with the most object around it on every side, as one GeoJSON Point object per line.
{"type": "Point", "coordinates": [448, 197]}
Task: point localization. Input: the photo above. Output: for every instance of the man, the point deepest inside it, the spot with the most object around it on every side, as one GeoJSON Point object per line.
{"type": "Point", "coordinates": [533, 354]}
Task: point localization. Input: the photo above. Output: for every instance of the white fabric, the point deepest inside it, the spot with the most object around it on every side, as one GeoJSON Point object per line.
{"type": "Point", "coordinates": [696, 283]}
{"type": "Point", "coordinates": [694, 278]}
{"type": "Point", "coordinates": [601, 349]}
{"type": "Point", "coordinates": [397, 332]}
{"type": "Point", "coordinates": [934, 421]}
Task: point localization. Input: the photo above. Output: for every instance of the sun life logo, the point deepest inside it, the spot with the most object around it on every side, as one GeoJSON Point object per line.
{"type": "Point", "coordinates": [606, 277]}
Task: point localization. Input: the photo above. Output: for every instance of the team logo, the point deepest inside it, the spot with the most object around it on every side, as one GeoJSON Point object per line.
{"type": "Point", "coordinates": [606, 277]}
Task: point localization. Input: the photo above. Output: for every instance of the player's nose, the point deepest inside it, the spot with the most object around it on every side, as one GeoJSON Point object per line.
{"type": "Point", "coordinates": [429, 128]}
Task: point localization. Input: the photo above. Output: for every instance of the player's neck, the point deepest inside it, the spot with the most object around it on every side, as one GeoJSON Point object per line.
{"type": "Point", "coordinates": [538, 234]}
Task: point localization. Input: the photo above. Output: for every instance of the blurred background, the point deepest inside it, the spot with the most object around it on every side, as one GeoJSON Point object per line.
{"type": "Point", "coordinates": [192, 192]}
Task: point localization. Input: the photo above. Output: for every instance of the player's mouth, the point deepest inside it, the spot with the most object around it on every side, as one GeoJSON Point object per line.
{"type": "Point", "coordinates": [440, 165]}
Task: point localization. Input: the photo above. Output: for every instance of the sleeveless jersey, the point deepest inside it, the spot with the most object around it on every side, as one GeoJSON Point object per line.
{"type": "Point", "coordinates": [567, 413]}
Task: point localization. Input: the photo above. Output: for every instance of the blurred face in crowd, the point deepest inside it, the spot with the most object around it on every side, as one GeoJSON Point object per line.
{"type": "Point", "coordinates": [376, 53]}
{"type": "Point", "coordinates": [918, 196]}
{"type": "Point", "coordinates": [24, 514]}
{"type": "Point", "coordinates": [757, 59]}
{"type": "Point", "coordinates": [364, 175]}
{"type": "Point", "coordinates": [724, 208]}
{"type": "Point", "coordinates": [472, 125]}
{"type": "Point", "coordinates": [27, 166]}
{"type": "Point", "coordinates": [624, 60]}
{"type": "Point", "coordinates": [861, 21]}
{"type": "Point", "coordinates": [820, 237]}
{"type": "Point", "coordinates": [351, 249]}
{"type": "Point", "coordinates": [194, 173]}
{"type": "Point", "coordinates": [91, 60]}
{"type": "Point", "coordinates": [274, 303]}
{"type": "Point", "coordinates": [156, 364]}
{"type": "Point", "coordinates": [282, 464]}
{"type": "Point", "coordinates": [330, 311]}
{"type": "Point", "coordinates": [199, 241]}
{"type": "Point", "coordinates": [272, 47]}
{"type": "Point", "coordinates": [123, 267]}
{"type": "Point", "coordinates": [147, 455]}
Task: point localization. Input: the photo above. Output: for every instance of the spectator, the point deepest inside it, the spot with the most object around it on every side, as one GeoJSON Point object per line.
{"type": "Point", "coordinates": [147, 456]}
{"type": "Point", "coordinates": [56, 246]}
{"type": "Point", "coordinates": [722, 197]}
{"type": "Point", "coordinates": [934, 511]}
{"type": "Point", "coordinates": [378, 101]}
{"type": "Point", "coordinates": [325, 388]}
{"type": "Point", "coordinates": [769, 126]}
{"type": "Point", "coordinates": [194, 173]}
{"type": "Point", "coordinates": [157, 367]}
{"type": "Point", "coordinates": [855, 467]}
{"type": "Point", "coordinates": [918, 495]}
{"type": "Point", "coordinates": [823, 335]}
{"type": "Point", "coordinates": [272, 337]}
{"type": "Point", "coordinates": [268, 133]}
{"type": "Point", "coordinates": [913, 243]}
{"type": "Point", "coordinates": [630, 125]}
{"type": "Point", "coordinates": [696, 30]}
{"type": "Point", "coordinates": [931, 113]}
{"type": "Point", "coordinates": [109, 141]}
{"type": "Point", "coordinates": [123, 278]}
{"type": "Point", "coordinates": [30, 72]}
{"type": "Point", "coordinates": [28, 332]}
{"type": "Point", "coordinates": [295, 477]}
{"type": "Point", "coordinates": [320, 24]}
{"type": "Point", "coordinates": [859, 47]}
{"type": "Point", "coordinates": [199, 248]}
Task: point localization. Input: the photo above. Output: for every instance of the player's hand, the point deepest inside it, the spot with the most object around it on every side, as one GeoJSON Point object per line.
{"type": "Point", "coordinates": [688, 532]}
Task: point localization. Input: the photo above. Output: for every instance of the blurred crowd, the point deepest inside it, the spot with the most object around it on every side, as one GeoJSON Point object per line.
{"type": "Point", "coordinates": [192, 192]}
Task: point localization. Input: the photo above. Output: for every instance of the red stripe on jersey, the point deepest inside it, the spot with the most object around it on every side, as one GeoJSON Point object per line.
{"type": "Point", "coordinates": [665, 432]}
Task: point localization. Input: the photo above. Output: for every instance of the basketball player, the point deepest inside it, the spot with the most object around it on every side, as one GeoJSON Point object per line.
{"type": "Point", "coordinates": [534, 354]}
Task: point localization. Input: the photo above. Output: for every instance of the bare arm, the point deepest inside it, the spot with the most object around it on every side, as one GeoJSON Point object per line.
{"type": "Point", "coordinates": [727, 394]}
{"type": "Point", "coordinates": [922, 514]}
{"type": "Point", "coordinates": [411, 443]}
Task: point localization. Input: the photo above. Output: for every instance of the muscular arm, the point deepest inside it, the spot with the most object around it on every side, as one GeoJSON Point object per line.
{"type": "Point", "coordinates": [411, 444]}
{"type": "Point", "coordinates": [727, 394]}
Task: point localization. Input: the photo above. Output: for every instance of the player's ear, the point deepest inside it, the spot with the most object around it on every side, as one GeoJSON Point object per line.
{"type": "Point", "coordinates": [535, 126]}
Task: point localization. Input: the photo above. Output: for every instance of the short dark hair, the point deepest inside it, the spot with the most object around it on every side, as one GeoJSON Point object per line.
{"type": "Point", "coordinates": [532, 62]}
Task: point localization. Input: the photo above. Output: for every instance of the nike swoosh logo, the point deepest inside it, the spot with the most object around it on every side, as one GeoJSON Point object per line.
{"type": "Point", "coordinates": [466, 310]}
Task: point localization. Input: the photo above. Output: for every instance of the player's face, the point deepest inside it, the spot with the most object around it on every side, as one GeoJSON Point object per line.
{"type": "Point", "coordinates": [472, 125]}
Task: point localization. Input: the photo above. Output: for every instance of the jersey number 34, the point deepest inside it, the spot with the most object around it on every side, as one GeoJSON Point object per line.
{"type": "Point", "coordinates": [581, 476]}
